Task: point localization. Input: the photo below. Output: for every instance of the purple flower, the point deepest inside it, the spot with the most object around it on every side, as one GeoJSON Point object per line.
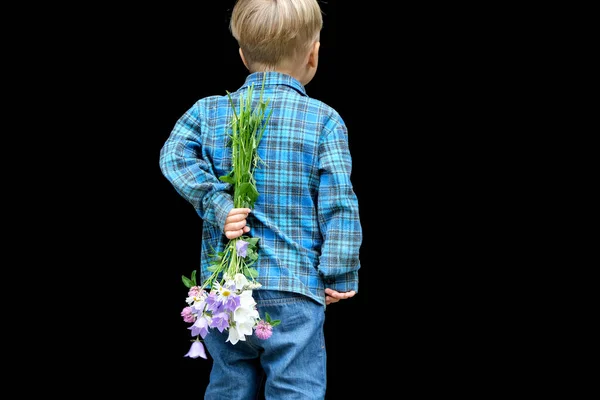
{"type": "Point", "coordinates": [220, 321]}
{"type": "Point", "coordinates": [200, 327]}
{"type": "Point", "coordinates": [263, 330]}
{"type": "Point", "coordinates": [213, 303]}
{"type": "Point", "coordinates": [232, 303]}
{"type": "Point", "coordinates": [197, 350]}
{"type": "Point", "coordinates": [241, 246]}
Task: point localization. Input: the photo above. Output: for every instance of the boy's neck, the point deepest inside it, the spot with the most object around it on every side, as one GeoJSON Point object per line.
{"type": "Point", "coordinates": [297, 74]}
{"type": "Point", "coordinates": [303, 71]}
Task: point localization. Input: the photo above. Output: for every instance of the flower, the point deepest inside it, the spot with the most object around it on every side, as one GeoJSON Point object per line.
{"type": "Point", "coordinates": [224, 301]}
{"type": "Point", "coordinates": [263, 329]}
{"type": "Point", "coordinates": [227, 306]}
{"type": "Point", "coordinates": [241, 247]}
{"type": "Point", "coordinates": [197, 350]}
{"type": "Point", "coordinates": [188, 314]}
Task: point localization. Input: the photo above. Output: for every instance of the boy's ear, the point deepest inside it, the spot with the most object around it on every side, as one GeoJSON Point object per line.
{"type": "Point", "coordinates": [243, 59]}
{"type": "Point", "coordinates": [313, 57]}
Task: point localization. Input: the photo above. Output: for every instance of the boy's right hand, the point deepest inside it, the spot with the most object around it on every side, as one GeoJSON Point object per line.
{"type": "Point", "coordinates": [235, 223]}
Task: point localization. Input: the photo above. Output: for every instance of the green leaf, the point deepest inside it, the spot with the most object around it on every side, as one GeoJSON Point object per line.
{"type": "Point", "coordinates": [273, 322]}
{"type": "Point", "coordinates": [245, 189]}
{"type": "Point", "coordinates": [187, 281]}
{"type": "Point", "coordinates": [227, 179]}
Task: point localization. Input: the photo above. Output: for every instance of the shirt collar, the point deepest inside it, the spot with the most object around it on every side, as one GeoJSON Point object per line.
{"type": "Point", "coordinates": [274, 78]}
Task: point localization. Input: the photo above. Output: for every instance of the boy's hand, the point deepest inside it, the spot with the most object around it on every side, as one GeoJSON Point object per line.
{"type": "Point", "coordinates": [333, 296]}
{"type": "Point", "coordinates": [235, 223]}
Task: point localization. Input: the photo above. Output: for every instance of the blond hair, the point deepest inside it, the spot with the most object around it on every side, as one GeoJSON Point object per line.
{"type": "Point", "coordinates": [270, 32]}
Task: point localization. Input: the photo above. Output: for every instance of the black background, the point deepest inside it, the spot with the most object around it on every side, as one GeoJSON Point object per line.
{"type": "Point", "coordinates": [198, 57]}
{"type": "Point", "coordinates": [407, 85]}
{"type": "Point", "coordinates": [203, 60]}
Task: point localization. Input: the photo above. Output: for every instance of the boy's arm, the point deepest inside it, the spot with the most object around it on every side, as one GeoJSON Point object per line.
{"type": "Point", "coordinates": [193, 177]}
{"type": "Point", "coordinates": [338, 212]}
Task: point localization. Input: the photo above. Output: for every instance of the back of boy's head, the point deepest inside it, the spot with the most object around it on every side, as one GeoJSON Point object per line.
{"type": "Point", "coordinates": [270, 32]}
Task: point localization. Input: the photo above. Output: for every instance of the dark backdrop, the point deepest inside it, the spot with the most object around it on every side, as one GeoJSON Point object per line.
{"type": "Point", "coordinates": [397, 78]}
{"type": "Point", "coordinates": [199, 57]}
{"type": "Point", "coordinates": [429, 93]}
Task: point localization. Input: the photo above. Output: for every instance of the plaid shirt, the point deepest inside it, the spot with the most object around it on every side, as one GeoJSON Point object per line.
{"type": "Point", "coordinates": [306, 216]}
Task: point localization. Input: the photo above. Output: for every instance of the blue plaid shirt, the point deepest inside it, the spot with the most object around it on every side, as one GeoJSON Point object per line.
{"type": "Point", "coordinates": [306, 216]}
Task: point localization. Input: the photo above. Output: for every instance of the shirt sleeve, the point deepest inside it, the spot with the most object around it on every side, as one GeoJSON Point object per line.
{"type": "Point", "coordinates": [338, 211]}
{"type": "Point", "coordinates": [189, 170]}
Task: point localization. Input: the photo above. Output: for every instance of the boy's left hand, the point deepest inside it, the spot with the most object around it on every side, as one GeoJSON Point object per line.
{"type": "Point", "coordinates": [333, 296]}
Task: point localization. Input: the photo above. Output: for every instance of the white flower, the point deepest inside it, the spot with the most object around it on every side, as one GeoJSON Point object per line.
{"type": "Point", "coordinates": [244, 317]}
{"type": "Point", "coordinates": [240, 281]}
{"type": "Point", "coordinates": [246, 314]}
{"type": "Point", "coordinates": [223, 292]}
{"type": "Point", "coordinates": [246, 299]}
{"type": "Point", "coordinates": [244, 329]}
{"type": "Point", "coordinates": [241, 329]}
{"type": "Point", "coordinates": [234, 336]}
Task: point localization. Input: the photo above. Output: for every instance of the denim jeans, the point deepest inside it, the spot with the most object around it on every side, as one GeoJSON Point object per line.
{"type": "Point", "coordinates": [291, 364]}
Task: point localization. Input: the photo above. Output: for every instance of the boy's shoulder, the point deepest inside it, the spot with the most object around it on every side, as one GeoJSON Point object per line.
{"type": "Point", "coordinates": [212, 102]}
{"type": "Point", "coordinates": [326, 109]}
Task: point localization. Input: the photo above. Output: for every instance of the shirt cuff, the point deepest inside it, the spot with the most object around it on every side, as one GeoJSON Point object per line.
{"type": "Point", "coordinates": [342, 283]}
{"type": "Point", "coordinates": [223, 203]}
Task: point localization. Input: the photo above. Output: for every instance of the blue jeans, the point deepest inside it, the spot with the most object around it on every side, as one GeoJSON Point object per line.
{"type": "Point", "coordinates": [291, 364]}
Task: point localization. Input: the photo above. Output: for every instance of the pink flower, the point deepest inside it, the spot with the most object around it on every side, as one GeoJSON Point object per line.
{"type": "Point", "coordinates": [194, 291]}
{"type": "Point", "coordinates": [188, 315]}
{"type": "Point", "coordinates": [264, 330]}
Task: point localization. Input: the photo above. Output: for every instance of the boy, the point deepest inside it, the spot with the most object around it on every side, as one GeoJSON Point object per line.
{"type": "Point", "coordinates": [306, 216]}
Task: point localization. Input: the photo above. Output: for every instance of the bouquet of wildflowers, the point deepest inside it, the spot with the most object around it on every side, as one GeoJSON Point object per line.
{"type": "Point", "coordinates": [224, 301]}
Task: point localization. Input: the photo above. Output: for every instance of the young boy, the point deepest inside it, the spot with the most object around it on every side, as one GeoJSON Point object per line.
{"type": "Point", "coordinates": [306, 215]}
